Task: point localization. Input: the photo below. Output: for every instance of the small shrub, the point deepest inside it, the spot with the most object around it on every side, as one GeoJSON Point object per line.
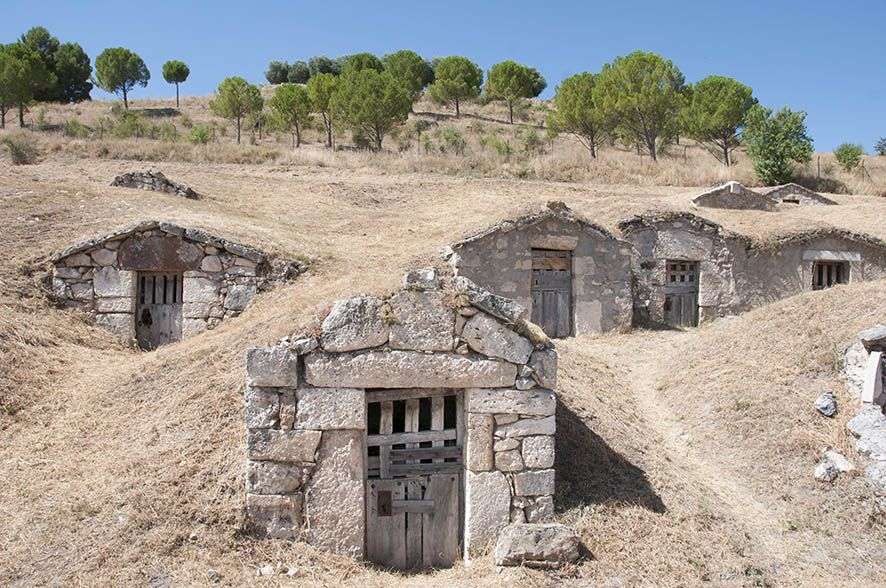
{"type": "Point", "coordinates": [500, 146]}
{"type": "Point", "coordinates": [40, 120]}
{"type": "Point", "coordinates": [22, 149]}
{"type": "Point", "coordinates": [75, 129]}
{"type": "Point", "coordinates": [451, 141]}
{"type": "Point", "coordinates": [186, 121]}
{"type": "Point", "coordinates": [880, 146]}
{"type": "Point", "coordinates": [427, 144]}
{"type": "Point", "coordinates": [849, 155]}
{"type": "Point", "coordinates": [130, 125]}
{"type": "Point", "coordinates": [201, 134]}
{"type": "Point", "coordinates": [168, 132]}
{"type": "Point", "coordinates": [531, 141]}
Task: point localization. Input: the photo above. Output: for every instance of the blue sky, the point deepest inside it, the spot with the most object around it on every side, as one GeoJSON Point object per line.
{"type": "Point", "coordinates": [826, 58]}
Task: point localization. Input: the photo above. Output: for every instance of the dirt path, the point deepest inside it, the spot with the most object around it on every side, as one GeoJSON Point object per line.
{"type": "Point", "coordinates": [642, 360]}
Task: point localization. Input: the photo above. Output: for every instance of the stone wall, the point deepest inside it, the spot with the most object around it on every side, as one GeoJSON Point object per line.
{"type": "Point", "coordinates": [803, 196]}
{"type": "Point", "coordinates": [155, 182]}
{"type": "Point", "coordinates": [220, 277]}
{"type": "Point", "coordinates": [733, 195]}
{"type": "Point", "coordinates": [500, 259]}
{"type": "Point", "coordinates": [682, 236]}
{"type": "Point", "coordinates": [306, 410]}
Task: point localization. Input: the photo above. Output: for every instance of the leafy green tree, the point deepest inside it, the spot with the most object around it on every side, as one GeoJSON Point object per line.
{"type": "Point", "coordinates": [299, 73]}
{"type": "Point", "coordinates": [8, 76]}
{"type": "Point", "coordinates": [575, 112]}
{"type": "Point", "coordinates": [44, 45]}
{"type": "Point", "coordinates": [511, 82]}
{"type": "Point", "coordinates": [849, 155]}
{"type": "Point", "coordinates": [360, 61]}
{"type": "Point", "coordinates": [277, 72]}
{"type": "Point", "coordinates": [175, 72]}
{"type": "Point", "coordinates": [235, 99]}
{"type": "Point", "coordinates": [291, 109]}
{"type": "Point", "coordinates": [539, 83]}
{"type": "Point", "coordinates": [715, 112]}
{"type": "Point", "coordinates": [410, 69]}
{"type": "Point", "coordinates": [118, 70]}
{"type": "Point", "coordinates": [321, 87]}
{"type": "Point", "coordinates": [775, 141]}
{"type": "Point", "coordinates": [24, 76]}
{"type": "Point", "coordinates": [320, 64]}
{"type": "Point", "coordinates": [455, 79]}
{"type": "Point", "coordinates": [72, 71]}
{"type": "Point", "coordinates": [370, 103]}
{"type": "Point", "coordinates": [880, 146]}
{"type": "Point", "coordinates": [640, 94]}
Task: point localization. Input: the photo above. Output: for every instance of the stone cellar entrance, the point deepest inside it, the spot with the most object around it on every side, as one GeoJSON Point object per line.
{"type": "Point", "coordinates": [158, 308]}
{"type": "Point", "coordinates": [829, 273]}
{"type": "Point", "coordinates": [552, 291]}
{"type": "Point", "coordinates": [414, 497]}
{"type": "Point", "coordinates": [681, 293]}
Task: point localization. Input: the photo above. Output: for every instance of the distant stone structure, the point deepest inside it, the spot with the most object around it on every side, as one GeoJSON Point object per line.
{"type": "Point", "coordinates": [409, 430]}
{"type": "Point", "coordinates": [575, 276]}
{"type": "Point", "coordinates": [795, 194]}
{"type": "Point", "coordinates": [156, 282]}
{"type": "Point", "coordinates": [154, 181]}
{"type": "Point", "coordinates": [735, 196]}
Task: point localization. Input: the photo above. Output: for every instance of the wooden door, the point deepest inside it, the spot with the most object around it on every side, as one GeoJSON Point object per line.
{"type": "Point", "coordinates": [829, 273]}
{"type": "Point", "coordinates": [681, 293]}
{"type": "Point", "coordinates": [414, 498]}
{"type": "Point", "coordinates": [552, 291]}
{"type": "Point", "coordinates": [158, 317]}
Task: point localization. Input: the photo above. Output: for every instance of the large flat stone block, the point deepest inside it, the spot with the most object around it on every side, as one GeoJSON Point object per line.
{"type": "Point", "coordinates": [406, 369]}
{"type": "Point", "coordinates": [272, 366]}
{"type": "Point", "coordinates": [285, 446]}
{"type": "Point", "coordinates": [479, 442]}
{"type": "Point", "coordinates": [487, 508]}
{"type": "Point", "coordinates": [538, 452]}
{"type": "Point", "coordinates": [268, 477]}
{"type": "Point", "coordinates": [122, 325]}
{"type": "Point", "coordinates": [262, 407]}
{"type": "Point", "coordinates": [544, 365]}
{"type": "Point", "coordinates": [334, 496]}
{"type": "Point", "coordinates": [486, 335]}
{"type": "Point", "coordinates": [110, 282]}
{"type": "Point", "coordinates": [535, 402]}
{"type": "Point", "coordinates": [538, 483]}
{"type": "Point", "coordinates": [274, 517]}
{"type": "Point", "coordinates": [355, 323]}
{"type": "Point", "coordinates": [524, 427]}
{"type": "Point", "coordinates": [331, 408]}
{"type": "Point", "coordinates": [421, 322]}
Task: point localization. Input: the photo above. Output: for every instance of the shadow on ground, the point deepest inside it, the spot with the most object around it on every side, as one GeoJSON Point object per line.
{"type": "Point", "coordinates": [590, 472]}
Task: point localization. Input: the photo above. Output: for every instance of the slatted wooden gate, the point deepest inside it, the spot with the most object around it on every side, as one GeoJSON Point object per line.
{"type": "Point", "coordinates": [681, 293]}
{"type": "Point", "coordinates": [414, 499]}
{"type": "Point", "coordinates": [158, 318]}
{"type": "Point", "coordinates": [829, 273]}
{"type": "Point", "coordinates": [552, 291]}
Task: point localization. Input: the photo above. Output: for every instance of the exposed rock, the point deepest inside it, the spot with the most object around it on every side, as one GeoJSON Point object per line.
{"type": "Point", "coordinates": [421, 321]}
{"type": "Point", "coordinates": [305, 345]}
{"type": "Point", "coordinates": [876, 475]}
{"type": "Point", "coordinates": [486, 335]}
{"type": "Point", "coordinates": [199, 289]}
{"type": "Point", "coordinates": [540, 510]}
{"type": "Point", "coordinates": [544, 367]}
{"type": "Point", "coordinates": [111, 282]}
{"type": "Point", "coordinates": [274, 517]}
{"type": "Point", "coordinates": [268, 477]}
{"type": "Point", "coordinates": [104, 257]}
{"type": "Point", "coordinates": [274, 366]}
{"type": "Point", "coordinates": [422, 279]}
{"type": "Point", "coordinates": [121, 325]}
{"type": "Point", "coordinates": [524, 384]}
{"type": "Point", "coordinates": [874, 339]}
{"type": "Point", "coordinates": [286, 446]}
{"type": "Point", "coordinates": [355, 323]}
{"type": "Point", "coordinates": [331, 408]}
{"type": "Point", "coordinates": [154, 181]}
{"type": "Point", "coordinates": [869, 417]}
{"type": "Point", "coordinates": [506, 444]}
{"type": "Point", "coordinates": [826, 404]}
{"type": "Point", "coordinates": [535, 402]}
{"type": "Point", "coordinates": [211, 263]}
{"type": "Point", "coordinates": [479, 450]}
{"type": "Point", "coordinates": [124, 305]}
{"type": "Point", "coordinates": [498, 306]}
{"type": "Point", "coordinates": [334, 508]}
{"type": "Point", "coordinates": [536, 483]}
{"type": "Point", "coordinates": [839, 460]}
{"type": "Point", "coordinates": [487, 507]}
{"type": "Point", "coordinates": [508, 461]}
{"type": "Point", "coordinates": [538, 452]}
{"type": "Point", "coordinates": [825, 471]}
{"type": "Point", "coordinates": [536, 545]}
{"type": "Point", "coordinates": [872, 442]}
{"type": "Point", "coordinates": [239, 296]}
{"type": "Point", "coordinates": [406, 369]}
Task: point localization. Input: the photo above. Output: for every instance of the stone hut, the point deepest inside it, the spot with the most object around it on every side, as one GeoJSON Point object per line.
{"type": "Point", "coordinates": [788, 194]}
{"type": "Point", "coordinates": [575, 276]}
{"type": "Point", "coordinates": [156, 282]}
{"type": "Point", "coordinates": [810, 260]}
{"type": "Point", "coordinates": [733, 195]}
{"type": "Point", "coordinates": [684, 270]}
{"type": "Point", "coordinates": [408, 430]}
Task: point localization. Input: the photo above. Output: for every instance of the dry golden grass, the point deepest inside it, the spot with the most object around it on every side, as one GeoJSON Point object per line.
{"type": "Point", "coordinates": [684, 457]}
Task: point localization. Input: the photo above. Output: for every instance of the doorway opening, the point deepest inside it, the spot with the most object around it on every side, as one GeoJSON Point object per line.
{"type": "Point", "coordinates": [552, 291]}
{"type": "Point", "coordinates": [829, 273]}
{"type": "Point", "coordinates": [158, 317]}
{"type": "Point", "coordinates": [681, 293]}
{"type": "Point", "coordinates": [414, 477]}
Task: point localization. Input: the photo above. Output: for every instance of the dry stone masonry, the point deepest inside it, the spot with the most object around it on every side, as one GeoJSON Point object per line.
{"type": "Point", "coordinates": [158, 282]}
{"type": "Point", "coordinates": [309, 417]}
{"type": "Point", "coordinates": [735, 196]}
{"type": "Point", "coordinates": [795, 194]}
{"type": "Point", "coordinates": [154, 181]}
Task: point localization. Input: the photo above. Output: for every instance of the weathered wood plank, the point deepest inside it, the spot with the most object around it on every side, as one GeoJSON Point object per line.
{"type": "Point", "coordinates": [440, 528]}
{"type": "Point", "coordinates": [406, 438]}
{"type": "Point", "coordinates": [419, 506]}
{"type": "Point", "coordinates": [424, 453]}
{"type": "Point", "coordinates": [417, 469]}
{"type": "Point", "coordinates": [405, 393]}
{"type": "Point", "coordinates": [385, 535]}
{"type": "Point", "coordinates": [437, 420]}
{"type": "Point", "coordinates": [414, 492]}
{"type": "Point", "coordinates": [386, 425]}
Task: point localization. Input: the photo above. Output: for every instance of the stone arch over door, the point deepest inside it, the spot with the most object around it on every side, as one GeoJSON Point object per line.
{"type": "Point", "coordinates": [311, 474]}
